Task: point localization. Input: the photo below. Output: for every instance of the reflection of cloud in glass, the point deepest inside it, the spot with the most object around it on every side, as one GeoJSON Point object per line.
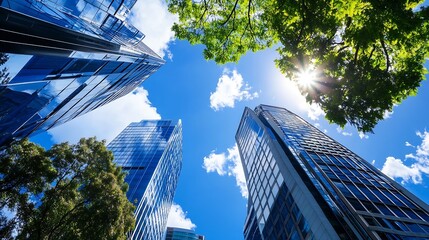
{"type": "Point", "coordinates": [58, 86]}
{"type": "Point", "coordinates": [88, 12]}
{"type": "Point", "coordinates": [151, 140]}
{"type": "Point", "coordinates": [80, 5]}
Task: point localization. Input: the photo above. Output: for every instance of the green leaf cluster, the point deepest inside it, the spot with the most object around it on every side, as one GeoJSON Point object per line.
{"type": "Point", "coordinates": [68, 192]}
{"type": "Point", "coordinates": [228, 29]}
{"type": "Point", "coordinates": [368, 54]}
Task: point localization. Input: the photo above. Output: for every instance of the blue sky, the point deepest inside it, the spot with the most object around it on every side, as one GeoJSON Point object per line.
{"type": "Point", "coordinates": [210, 99]}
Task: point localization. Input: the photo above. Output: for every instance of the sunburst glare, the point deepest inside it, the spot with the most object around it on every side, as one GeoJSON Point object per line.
{"type": "Point", "coordinates": [306, 77]}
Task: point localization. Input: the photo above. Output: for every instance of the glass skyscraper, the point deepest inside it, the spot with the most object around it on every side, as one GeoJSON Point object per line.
{"type": "Point", "coordinates": [151, 154]}
{"type": "Point", "coordinates": [174, 233]}
{"type": "Point", "coordinates": [305, 185]}
{"type": "Point", "coordinates": [67, 57]}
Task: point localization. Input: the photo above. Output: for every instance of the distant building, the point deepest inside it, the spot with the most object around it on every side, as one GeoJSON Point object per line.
{"type": "Point", "coordinates": [305, 185]}
{"type": "Point", "coordinates": [181, 234]}
{"type": "Point", "coordinates": [71, 58]}
{"type": "Point", "coordinates": [151, 154]}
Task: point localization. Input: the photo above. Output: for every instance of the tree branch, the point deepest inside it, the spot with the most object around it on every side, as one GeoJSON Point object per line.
{"type": "Point", "coordinates": [342, 48]}
{"type": "Point", "coordinates": [248, 15]}
{"type": "Point", "coordinates": [56, 192]}
{"type": "Point", "coordinates": [204, 13]}
{"type": "Point", "coordinates": [370, 55]}
{"type": "Point", "coordinates": [232, 12]}
{"type": "Point", "coordinates": [356, 54]}
{"type": "Point", "coordinates": [63, 218]}
{"type": "Point", "coordinates": [386, 54]}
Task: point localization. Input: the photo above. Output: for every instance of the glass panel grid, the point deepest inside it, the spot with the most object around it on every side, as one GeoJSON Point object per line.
{"type": "Point", "coordinates": [348, 178]}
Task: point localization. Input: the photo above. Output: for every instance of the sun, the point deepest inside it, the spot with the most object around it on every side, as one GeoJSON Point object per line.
{"type": "Point", "coordinates": [306, 77]}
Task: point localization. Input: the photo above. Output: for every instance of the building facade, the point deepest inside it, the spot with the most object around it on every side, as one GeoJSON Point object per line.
{"type": "Point", "coordinates": [305, 185]}
{"type": "Point", "coordinates": [174, 233]}
{"type": "Point", "coordinates": [151, 154]}
{"type": "Point", "coordinates": [66, 58]}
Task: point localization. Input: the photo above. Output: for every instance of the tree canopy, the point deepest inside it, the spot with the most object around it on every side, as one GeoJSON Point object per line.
{"type": "Point", "coordinates": [367, 55]}
{"type": "Point", "coordinates": [68, 192]}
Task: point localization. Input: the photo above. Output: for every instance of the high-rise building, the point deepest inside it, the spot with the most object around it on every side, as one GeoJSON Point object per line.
{"type": "Point", "coordinates": [305, 185]}
{"type": "Point", "coordinates": [151, 154]}
{"type": "Point", "coordinates": [174, 233]}
{"type": "Point", "coordinates": [67, 58]}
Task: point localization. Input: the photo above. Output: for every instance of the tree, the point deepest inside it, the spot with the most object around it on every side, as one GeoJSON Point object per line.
{"type": "Point", "coordinates": [4, 74]}
{"type": "Point", "coordinates": [67, 192]}
{"type": "Point", "coordinates": [367, 55]}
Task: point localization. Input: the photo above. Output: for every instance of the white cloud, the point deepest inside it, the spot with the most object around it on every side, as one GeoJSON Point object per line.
{"type": "Point", "coordinates": [227, 164]}
{"type": "Point", "coordinates": [215, 163]}
{"type": "Point", "coordinates": [409, 144]}
{"type": "Point", "coordinates": [315, 111]}
{"type": "Point", "coordinates": [230, 88]}
{"type": "Point", "coordinates": [153, 19]}
{"type": "Point", "coordinates": [373, 162]}
{"type": "Point", "coordinates": [177, 218]}
{"type": "Point", "coordinates": [108, 121]}
{"type": "Point", "coordinates": [344, 133]}
{"type": "Point", "coordinates": [387, 114]}
{"type": "Point", "coordinates": [396, 168]}
{"type": "Point", "coordinates": [423, 148]}
{"type": "Point", "coordinates": [363, 135]}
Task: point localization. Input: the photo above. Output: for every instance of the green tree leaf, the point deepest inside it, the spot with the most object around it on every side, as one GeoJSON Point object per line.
{"type": "Point", "coordinates": [67, 192]}
{"type": "Point", "coordinates": [368, 54]}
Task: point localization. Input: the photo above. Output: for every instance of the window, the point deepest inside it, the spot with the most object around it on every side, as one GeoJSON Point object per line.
{"type": "Point", "coordinates": [370, 206]}
{"type": "Point", "coordinates": [384, 210]}
{"type": "Point", "coordinates": [343, 189]}
{"type": "Point", "coordinates": [368, 194]}
{"type": "Point", "coordinates": [410, 213]}
{"type": "Point", "coordinates": [415, 228]}
{"type": "Point", "coordinates": [356, 204]}
{"type": "Point", "coordinates": [397, 211]}
{"type": "Point", "coordinates": [355, 191]}
{"type": "Point", "coordinates": [371, 221]}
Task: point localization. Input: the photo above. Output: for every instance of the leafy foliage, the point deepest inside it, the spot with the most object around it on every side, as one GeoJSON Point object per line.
{"type": "Point", "coordinates": [67, 192]}
{"type": "Point", "coordinates": [228, 29]}
{"type": "Point", "coordinates": [368, 54]}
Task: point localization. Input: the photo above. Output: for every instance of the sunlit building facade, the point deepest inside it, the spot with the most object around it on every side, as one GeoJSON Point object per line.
{"type": "Point", "coordinates": [174, 233]}
{"type": "Point", "coordinates": [305, 185]}
{"type": "Point", "coordinates": [67, 58]}
{"type": "Point", "coordinates": [151, 154]}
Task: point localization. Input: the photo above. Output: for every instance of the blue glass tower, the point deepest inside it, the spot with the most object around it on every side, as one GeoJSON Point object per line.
{"type": "Point", "coordinates": [305, 185]}
{"type": "Point", "coordinates": [174, 233]}
{"type": "Point", "coordinates": [151, 153]}
{"type": "Point", "coordinates": [74, 56]}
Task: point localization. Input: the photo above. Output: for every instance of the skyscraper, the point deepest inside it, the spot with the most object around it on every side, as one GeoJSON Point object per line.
{"type": "Point", "coordinates": [70, 58]}
{"type": "Point", "coordinates": [151, 154]}
{"type": "Point", "coordinates": [305, 185]}
{"type": "Point", "coordinates": [174, 233]}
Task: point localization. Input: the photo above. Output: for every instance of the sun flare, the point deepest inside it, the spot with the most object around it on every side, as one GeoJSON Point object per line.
{"type": "Point", "coordinates": [306, 77]}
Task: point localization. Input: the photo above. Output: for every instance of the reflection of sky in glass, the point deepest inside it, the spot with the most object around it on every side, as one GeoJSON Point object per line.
{"type": "Point", "coordinates": [341, 181]}
{"type": "Point", "coordinates": [15, 63]}
{"type": "Point", "coordinates": [151, 153]}
{"type": "Point", "coordinates": [139, 143]}
{"type": "Point", "coordinates": [64, 87]}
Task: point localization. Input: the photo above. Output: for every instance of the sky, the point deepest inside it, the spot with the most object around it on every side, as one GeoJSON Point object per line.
{"type": "Point", "coordinates": [211, 196]}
